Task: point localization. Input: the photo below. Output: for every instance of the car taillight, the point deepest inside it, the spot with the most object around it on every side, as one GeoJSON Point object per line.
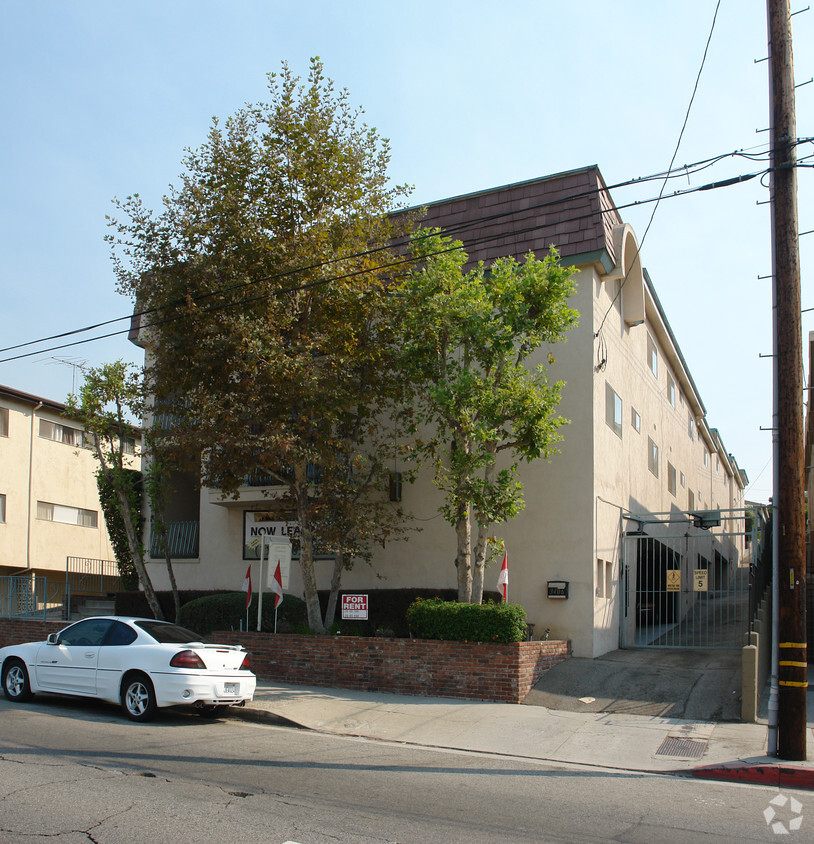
{"type": "Point", "coordinates": [246, 664]}
{"type": "Point", "coordinates": [187, 659]}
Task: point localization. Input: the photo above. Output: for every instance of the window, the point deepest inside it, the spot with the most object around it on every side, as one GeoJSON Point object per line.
{"type": "Point", "coordinates": [652, 356]}
{"type": "Point", "coordinates": [690, 500]}
{"type": "Point", "coordinates": [690, 425]}
{"type": "Point", "coordinates": [671, 390]}
{"type": "Point", "coordinates": [613, 409]}
{"type": "Point", "coordinates": [683, 480]}
{"type": "Point", "coordinates": [604, 578]}
{"type": "Point", "coordinates": [2, 508]}
{"type": "Point", "coordinates": [3, 421]}
{"type": "Point", "coordinates": [128, 445]}
{"type": "Point", "coordinates": [89, 633]}
{"type": "Point", "coordinates": [120, 634]}
{"type": "Point", "coordinates": [66, 515]}
{"type": "Point", "coordinates": [61, 433]}
{"type": "Point", "coordinates": [706, 458]}
{"type": "Point", "coordinates": [635, 420]}
{"type": "Point", "coordinates": [671, 478]}
{"type": "Point", "coordinates": [652, 457]}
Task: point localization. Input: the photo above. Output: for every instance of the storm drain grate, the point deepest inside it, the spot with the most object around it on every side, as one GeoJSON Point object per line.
{"type": "Point", "coordinates": [681, 747]}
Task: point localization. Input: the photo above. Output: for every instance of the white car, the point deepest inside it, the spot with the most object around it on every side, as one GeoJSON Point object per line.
{"type": "Point", "coordinates": [141, 663]}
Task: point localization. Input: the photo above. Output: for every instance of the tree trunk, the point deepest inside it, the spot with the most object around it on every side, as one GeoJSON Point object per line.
{"type": "Point", "coordinates": [176, 598]}
{"type": "Point", "coordinates": [479, 564]}
{"type": "Point", "coordinates": [479, 557]}
{"type": "Point", "coordinates": [309, 578]}
{"type": "Point", "coordinates": [115, 478]}
{"type": "Point", "coordinates": [336, 582]}
{"type": "Point", "coordinates": [137, 552]}
{"type": "Point", "coordinates": [463, 531]}
{"type": "Point", "coordinates": [157, 492]}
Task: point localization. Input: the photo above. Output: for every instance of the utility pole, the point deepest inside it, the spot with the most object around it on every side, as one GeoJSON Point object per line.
{"type": "Point", "coordinates": [790, 527]}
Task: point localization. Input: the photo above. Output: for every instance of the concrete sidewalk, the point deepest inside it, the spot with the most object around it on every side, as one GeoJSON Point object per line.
{"type": "Point", "coordinates": [715, 750]}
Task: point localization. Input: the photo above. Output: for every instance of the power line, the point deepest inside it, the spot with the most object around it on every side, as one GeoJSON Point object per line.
{"type": "Point", "coordinates": [669, 169]}
{"type": "Point", "coordinates": [327, 280]}
{"type": "Point", "coordinates": [685, 171]}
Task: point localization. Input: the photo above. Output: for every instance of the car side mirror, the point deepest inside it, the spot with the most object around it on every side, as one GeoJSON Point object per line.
{"type": "Point", "coordinates": [53, 639]}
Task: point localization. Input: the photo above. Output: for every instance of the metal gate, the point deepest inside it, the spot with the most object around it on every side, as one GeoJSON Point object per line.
{"type": "Point", "coordinates": [687, 579]}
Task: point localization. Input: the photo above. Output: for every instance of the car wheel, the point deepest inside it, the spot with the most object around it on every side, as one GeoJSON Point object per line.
{"type": "Point", "coordinates": [211, 710]}
{"type": "Point", "coordinates": [16, 686]}
{"type": "Point", "coordinates": [138, 698]}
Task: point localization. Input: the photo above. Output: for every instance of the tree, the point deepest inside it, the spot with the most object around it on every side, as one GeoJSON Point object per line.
{"type": "Point", "coordinates": [109, 398]}
{"type": "Point", "coordinates": [265, 296]}
{"type": "Point", "coordinates": [468, 340]}
{"type": "Point", "coordinates": [115, 523]}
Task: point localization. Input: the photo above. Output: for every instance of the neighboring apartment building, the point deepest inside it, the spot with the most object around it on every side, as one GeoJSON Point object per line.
{"type": "Point", "coordinates": [51, 521]}
{"type": "Point", "coordinates": [604, 552]}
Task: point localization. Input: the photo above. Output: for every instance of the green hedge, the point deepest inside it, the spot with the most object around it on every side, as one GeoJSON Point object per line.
{"type": "Point", "coordinates": [387, 610]}
{"type": "Point", "coordinates": [228, 612]}
{"type": "Point", "coordinates": [449, 620]}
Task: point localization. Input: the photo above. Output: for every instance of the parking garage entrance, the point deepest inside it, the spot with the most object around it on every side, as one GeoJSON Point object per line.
{"type": "Point", "coordinates": [687, 580]}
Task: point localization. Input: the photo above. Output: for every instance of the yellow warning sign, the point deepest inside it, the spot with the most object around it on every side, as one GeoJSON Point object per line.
{"type": "Point", "coordinates": [699, 580]}
{"type": "Point", "coordinates": [674, 580]}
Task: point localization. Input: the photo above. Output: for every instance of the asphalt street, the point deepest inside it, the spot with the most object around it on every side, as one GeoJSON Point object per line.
{"type": "Point", "coordinates": [76, 771]}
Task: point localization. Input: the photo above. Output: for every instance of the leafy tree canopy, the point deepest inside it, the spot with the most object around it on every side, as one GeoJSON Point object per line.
{"type": "Point", "coordinates": [263, 290]}
{"type": "Point", "coordinates": [472, 351]}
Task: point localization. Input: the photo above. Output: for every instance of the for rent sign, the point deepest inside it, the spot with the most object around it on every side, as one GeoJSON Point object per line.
{"type": "Point", "coordinates": [354, 606]}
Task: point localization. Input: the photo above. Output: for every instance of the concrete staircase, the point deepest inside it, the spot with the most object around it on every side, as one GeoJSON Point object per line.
{"type": "Point", "coordinates": [94, 606]}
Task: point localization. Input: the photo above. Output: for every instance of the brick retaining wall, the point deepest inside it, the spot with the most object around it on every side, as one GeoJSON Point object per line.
{"type": "Point", "coordinates": [501, 673]}
{"type": "Point", "coordinates": [13, 631]}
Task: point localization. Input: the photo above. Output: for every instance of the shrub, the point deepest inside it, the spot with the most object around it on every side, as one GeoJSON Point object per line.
{"type": "Point", "coordinates": [227, 611]}
{"type": "Point", "coordinates": [449, 620]}
{"type": "Point", "coordinates": [387, 609]}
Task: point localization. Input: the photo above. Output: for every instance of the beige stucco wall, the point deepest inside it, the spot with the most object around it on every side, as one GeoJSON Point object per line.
{"type": "Point", "coordinates": [552, 538]}
{"type": "Point", "coordinates": [571, 528]}
{"type": "Point", "coordinates": [59, 474]}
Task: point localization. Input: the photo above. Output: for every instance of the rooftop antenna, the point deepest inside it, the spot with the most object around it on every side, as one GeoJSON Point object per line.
{"type": "Point", "coordinates": [75, 364]}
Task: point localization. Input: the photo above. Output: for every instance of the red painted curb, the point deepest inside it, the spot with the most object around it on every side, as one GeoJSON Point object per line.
{"type": "Point", "coordinates": [782, 776]}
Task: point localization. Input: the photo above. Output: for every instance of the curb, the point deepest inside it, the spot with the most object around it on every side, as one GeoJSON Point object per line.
{"type": "Point", "coordinates": [263, 716]}
{"type": "Point", "coordinates": [782, 776]}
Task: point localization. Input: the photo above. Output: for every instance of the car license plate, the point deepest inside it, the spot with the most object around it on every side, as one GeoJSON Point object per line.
{"type": "Point", "coordinates": [231, 688]}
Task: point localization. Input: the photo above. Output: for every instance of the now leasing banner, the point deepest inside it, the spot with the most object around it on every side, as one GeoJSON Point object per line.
{"type": "Point", "coordinates": [257, 525]}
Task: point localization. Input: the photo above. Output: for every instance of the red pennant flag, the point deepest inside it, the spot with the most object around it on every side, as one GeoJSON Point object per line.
{"type": "Point", "coordinates": [277, 586]}
{"type": "Point", "coordinates": [247, 586]}
{"type": "Point", "coordinates": [503, 577]}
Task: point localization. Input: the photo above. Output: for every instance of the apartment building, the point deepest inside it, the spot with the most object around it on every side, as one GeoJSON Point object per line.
{"type": "Point", "coordinates": [51, 524]}
{"type": "Point", "coordinates": [637, 526]}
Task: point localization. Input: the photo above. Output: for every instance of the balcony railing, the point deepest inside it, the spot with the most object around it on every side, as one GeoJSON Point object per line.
{"type": "Point", "coordinates": [282, 478]}
{"type": "Point", "coordinates": [182, 538]}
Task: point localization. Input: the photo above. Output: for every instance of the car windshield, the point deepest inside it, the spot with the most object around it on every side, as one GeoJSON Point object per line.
{"type": "Point", "coordinates": [169, 634]}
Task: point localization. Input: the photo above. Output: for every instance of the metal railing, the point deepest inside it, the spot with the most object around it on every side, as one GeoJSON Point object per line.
{"type": "Point", "coordinates": [88, 576]}
{"type": "Point", "coordinates": [34, 597]}
{"type": "Point", "coordinates": [284, 476]}
{"type": "Point", "coordinates": [182, 538]}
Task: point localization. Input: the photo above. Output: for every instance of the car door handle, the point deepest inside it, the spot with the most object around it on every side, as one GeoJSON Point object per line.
{"type": "Point", "coordinates": [90, 655]}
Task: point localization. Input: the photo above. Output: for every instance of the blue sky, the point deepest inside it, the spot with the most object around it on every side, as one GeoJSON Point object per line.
{"type": "Point", "coordinates": [99, 99]}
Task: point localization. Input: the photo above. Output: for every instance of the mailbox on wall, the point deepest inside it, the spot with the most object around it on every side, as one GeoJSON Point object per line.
{"type": "Point", "coordinates": [558, 589]}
